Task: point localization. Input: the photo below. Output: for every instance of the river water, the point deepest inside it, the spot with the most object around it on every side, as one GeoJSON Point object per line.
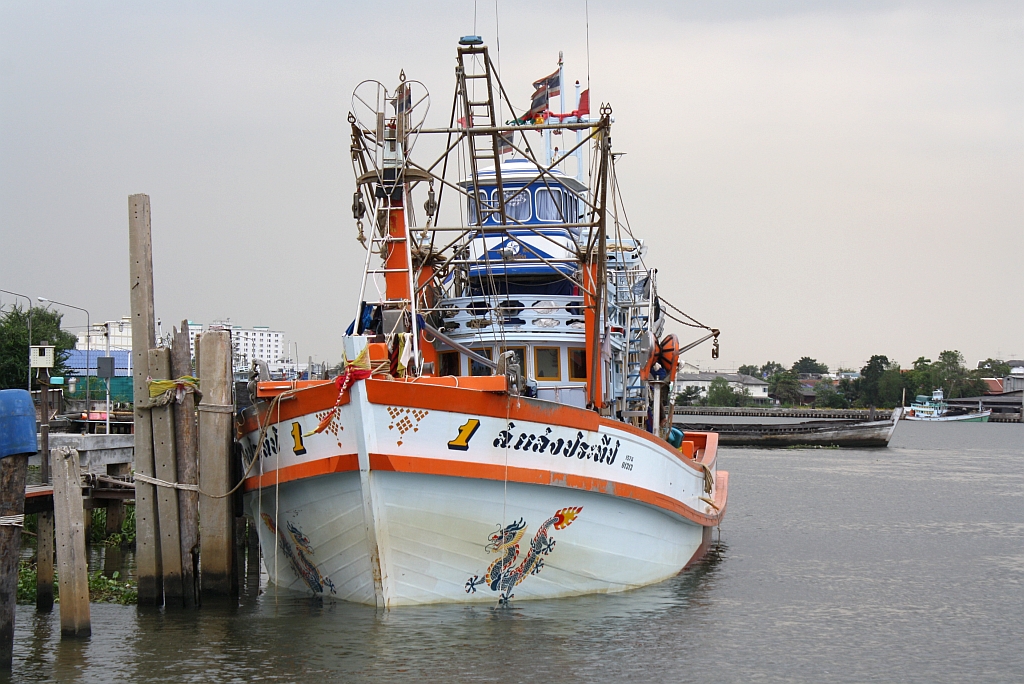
{"type": "Point", "coordinates": [900, 564]}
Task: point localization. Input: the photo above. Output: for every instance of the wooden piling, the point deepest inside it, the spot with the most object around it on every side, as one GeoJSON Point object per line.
{"type": "Point", "coordinates": [44, 519]}
{"type": "Point", "coordinates": [115, 507]}
{"type": "Point", "coordinates": [12, 503]}
{"type": "Point", "coordinates": [71, 559]}
{"type": "Point", "coordinates": [17, 442]}
{"type": "Point", "coordinates": [186, 447]}
{"type": "Point", "coordinates": [44, 561]}
{"type": "Point", "coordinates": [166, 468]}
{"type": "Point", "coordinates": [216, 515]}
{"type": "Point", "coordinates": [147, 537]}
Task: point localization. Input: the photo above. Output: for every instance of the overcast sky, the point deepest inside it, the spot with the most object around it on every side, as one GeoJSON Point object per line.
{"type": "Point", "coordinates": [831, 179]}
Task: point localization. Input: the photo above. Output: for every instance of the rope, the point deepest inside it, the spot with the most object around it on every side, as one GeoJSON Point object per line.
{"type": "Point", "coordinates": [216, 408]}
{"type": "Point", "coordinates": [12, 520]}
{"type": "Point", "coordinates": [354, 372]}
{"type": "Point", "coordinates": [163, 392]}
{"type": "Point", "coordinates": [139, 477]}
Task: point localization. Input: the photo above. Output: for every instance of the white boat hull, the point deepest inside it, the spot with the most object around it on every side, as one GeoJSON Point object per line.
{"type": "Point", "coordinates": [435, 531]}
{"type": "Point", "coordinates": [381, 508]}
{"type": "Point", "coordinates": [980, 417]}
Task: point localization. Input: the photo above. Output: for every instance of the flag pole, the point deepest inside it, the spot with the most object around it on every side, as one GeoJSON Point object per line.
{"type": "Point", "coordinates": [561, 85]}
{"type": "Point", "coordinates": [579, 138]}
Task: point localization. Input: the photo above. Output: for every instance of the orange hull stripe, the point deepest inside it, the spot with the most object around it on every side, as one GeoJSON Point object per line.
{"type": "Point", "coordinates": [487, 471]}
{"type": "Point", "coordinates": [304, 401]}
{"type": "Point", "coordinates": [323, 466]}
{"type": "Point", "coordinates": [475, 402]}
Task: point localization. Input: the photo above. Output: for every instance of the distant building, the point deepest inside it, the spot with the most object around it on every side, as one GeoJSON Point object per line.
{"type": "Point", "coordinates": [120, 335]}
{"type": "Point", "coordinates": [755, 387]}
{"type": "Point", "coordinates": [257, 342]}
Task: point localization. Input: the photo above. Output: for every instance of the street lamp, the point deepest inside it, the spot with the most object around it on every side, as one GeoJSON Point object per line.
{"type": "Point", "coordinates": [88, 346]}
{"type": "Point", "coordinates": [29, 316]}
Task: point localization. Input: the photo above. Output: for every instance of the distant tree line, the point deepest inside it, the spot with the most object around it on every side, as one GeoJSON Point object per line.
{"type": "Point", "coordinates": [882, 382]}
{"type": "Point", "coordinates": [14, 343]}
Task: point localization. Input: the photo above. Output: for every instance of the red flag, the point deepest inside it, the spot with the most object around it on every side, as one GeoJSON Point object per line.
{"type": "Point", "coordinates": [584, 106]}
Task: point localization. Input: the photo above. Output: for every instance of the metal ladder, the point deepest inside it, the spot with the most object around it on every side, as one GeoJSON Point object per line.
{"type": "Point", "coordinates": [382, 242]}
{"type": "Point", "coordinates": [635, 396]}
{"type": "Point", "coordinates": [484, 146]}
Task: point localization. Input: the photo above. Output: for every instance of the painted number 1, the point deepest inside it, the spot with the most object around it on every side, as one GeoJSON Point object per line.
{"type": "Point", "coordinates": [466, 432]}
{"type": "Point", "coordinates": [298, 447]}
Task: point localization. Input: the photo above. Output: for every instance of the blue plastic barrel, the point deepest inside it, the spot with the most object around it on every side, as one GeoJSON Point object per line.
{"type": "Point", "coordinates": [675, 437]}
{"type": "Point", "coordinates": [17, 423]}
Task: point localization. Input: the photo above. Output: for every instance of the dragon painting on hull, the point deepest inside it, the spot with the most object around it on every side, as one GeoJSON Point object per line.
{"type": "Point", "coordinates": [297, 549]}
{"type": "Point", "coordinates": [501, 576]}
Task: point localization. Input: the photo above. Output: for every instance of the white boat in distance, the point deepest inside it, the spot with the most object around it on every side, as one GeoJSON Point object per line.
{"type": "Point", "coordinates": [938, 411]}
{"type": "Point", "coordinates": [502, 426]}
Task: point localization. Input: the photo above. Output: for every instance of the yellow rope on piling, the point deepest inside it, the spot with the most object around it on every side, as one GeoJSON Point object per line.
{"type": "Point", "coordinates": [163, 392]}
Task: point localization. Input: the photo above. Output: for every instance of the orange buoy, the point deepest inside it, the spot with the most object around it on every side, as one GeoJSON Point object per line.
{"type": "Point", "coordinates": [666, 355]}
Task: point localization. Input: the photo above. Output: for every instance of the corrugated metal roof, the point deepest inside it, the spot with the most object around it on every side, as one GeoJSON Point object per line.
{"type": "Point", "coordinates": [76, 362]}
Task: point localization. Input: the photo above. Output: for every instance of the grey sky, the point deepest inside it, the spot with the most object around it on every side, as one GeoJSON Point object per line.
{"type": "Point", "coordinates": [825, 179]}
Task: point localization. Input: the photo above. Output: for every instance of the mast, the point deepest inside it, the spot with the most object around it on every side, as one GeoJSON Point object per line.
{"type": "Point", "coordinates": [598, 269]}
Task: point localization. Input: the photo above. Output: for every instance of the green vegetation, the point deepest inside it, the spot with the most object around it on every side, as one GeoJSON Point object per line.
{"type": "Point", "coordinates": [809, 366]}
{"type": "Point", "coordinates": [690, 396]}
{"type": "Point", "coordinates": [882, 383]}
{"type": "Point", "coordinates": [785, 387]}
{"type": "Point", "coordinates": [125, 537]}
{"type": "Point", "coordinates": [14, 343]}
{"type": "Point", "coordinates": [994, 368]}
{"type": "Point", "coordinates": [827, 396]}
{"type": "Point", "coordinates": [102, 589]}
{"type": "Point", "coordinates": [721, 393]}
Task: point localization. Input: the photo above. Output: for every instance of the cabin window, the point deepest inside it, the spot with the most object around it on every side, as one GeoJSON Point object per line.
{"type": "Point", "coordinates": [448, 363]}
{"type": "Point", "coordinates": [547, 363]}
{"type": "Point", "coordinates": [477, 368]}
{"type": "Point", "coordinates": [577, 364]}
{"type": "Point", "coordinates": [549, 204]}
{"type": "Point", "coordinates": [471, 205]}
{"type": "Point", "coordinates": [517, 205]}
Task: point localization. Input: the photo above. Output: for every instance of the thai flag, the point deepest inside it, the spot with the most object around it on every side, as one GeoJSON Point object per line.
{"type": "Point", "coordinates": [543, 89]}
{"type": "Point", "coordinates": [538, 104]}
{"type": "Point", "coordinates": [552, 84]}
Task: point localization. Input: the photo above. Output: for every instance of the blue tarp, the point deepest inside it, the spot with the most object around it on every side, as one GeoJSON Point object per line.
{"type": "Point", "coordinates": [17, 423]}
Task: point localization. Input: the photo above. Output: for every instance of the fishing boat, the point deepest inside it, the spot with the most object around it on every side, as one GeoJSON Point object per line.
{"type": "Point", "coordinates": [500, 428]}
{"type": "Point", "coordinates": [936, 410]}
{"type": "Point", "coordinates": [811, 433]}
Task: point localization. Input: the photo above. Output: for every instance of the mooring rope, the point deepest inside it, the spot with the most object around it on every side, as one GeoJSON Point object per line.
{"type": "Point", "coordinates": [139, 477]}
{"type": "Point", "coordinates": [12, 520]}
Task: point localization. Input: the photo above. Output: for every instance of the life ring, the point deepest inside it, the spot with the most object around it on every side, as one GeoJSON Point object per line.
{"type": "Point", "coordinates": [666, 355]}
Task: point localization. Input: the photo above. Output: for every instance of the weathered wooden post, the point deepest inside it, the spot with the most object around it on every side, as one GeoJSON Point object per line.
{"type": "Point", "coordinates": [216, 515]}
{"type": "Point", "coordinates": [147, 538]}
{"type": "Point", "coordinates": [44, 519]}
{"type": "Point", "coordinates": [166, 468]}
{"type": "Point", "coordinates": [186, 449]}
{"type": "Point", "coordinates": [68, 517]}
{"type": "Point", "coordinates": [17, 441]}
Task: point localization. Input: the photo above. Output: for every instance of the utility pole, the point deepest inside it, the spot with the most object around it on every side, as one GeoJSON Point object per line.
{"type": "Point", "coordinates": [88, 347]}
